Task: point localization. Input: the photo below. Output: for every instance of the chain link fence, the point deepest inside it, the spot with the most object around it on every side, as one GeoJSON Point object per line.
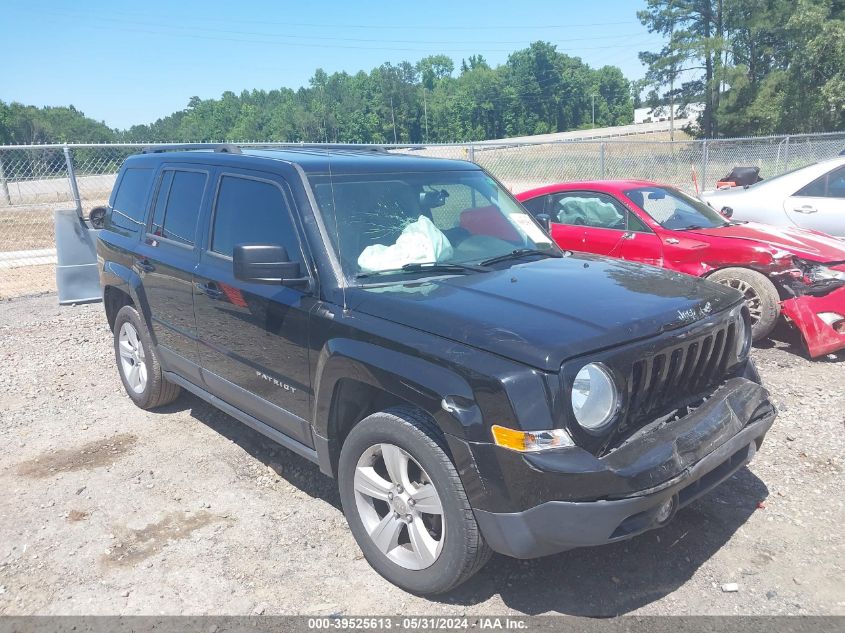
{"type": "Point", "coordinates": [38, 179]}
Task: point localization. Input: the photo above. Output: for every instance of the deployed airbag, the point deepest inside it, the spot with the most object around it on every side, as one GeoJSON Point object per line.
{"type": "Point", "coordinates": [591, 211]}
{"type": "Point", "coordinates": [420, 242]}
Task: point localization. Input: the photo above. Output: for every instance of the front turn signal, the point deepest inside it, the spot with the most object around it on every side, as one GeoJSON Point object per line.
{"type": "Point", "coordinates": [530, 441]}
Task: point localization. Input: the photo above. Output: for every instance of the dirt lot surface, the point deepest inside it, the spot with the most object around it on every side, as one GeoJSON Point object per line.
{"type": "Point", "coordinates": [107, 509]}
{"type": "Point", "coordinates": [28, 280]}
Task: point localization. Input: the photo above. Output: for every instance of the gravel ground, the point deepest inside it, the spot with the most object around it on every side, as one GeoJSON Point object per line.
{"type": "Point", "coordinates": [108, 509]}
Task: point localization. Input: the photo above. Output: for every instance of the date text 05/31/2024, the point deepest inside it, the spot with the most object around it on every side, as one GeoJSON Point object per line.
{"type": "Point", "coordinates": [417, 623]}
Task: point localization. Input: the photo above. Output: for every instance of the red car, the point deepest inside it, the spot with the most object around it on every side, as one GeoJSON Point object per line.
{"type": "Point", "coordinates": [790, 271]}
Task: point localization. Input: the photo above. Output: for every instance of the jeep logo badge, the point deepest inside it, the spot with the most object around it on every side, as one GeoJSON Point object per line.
{"type": "Point", "coordinates": [694, 314]}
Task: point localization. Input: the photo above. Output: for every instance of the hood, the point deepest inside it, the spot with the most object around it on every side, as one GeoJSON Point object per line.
{"type": "Point", "coordinates": [801, 243]}
{"type": "Point", "coordinates": [544, 312]}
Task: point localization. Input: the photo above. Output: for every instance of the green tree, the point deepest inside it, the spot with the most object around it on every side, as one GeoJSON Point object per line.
{"type": "Point", "coordinates": [760, 66]}
{"type": "Point", "coordinates": [695, 44]}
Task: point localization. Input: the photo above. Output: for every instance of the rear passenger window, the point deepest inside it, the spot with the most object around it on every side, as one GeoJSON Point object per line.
{"type": "Point", "coordinates": [128, 209]}
{"type": "Point", "coordinates": [178, 205]}
{"type": "Point", "coordinates": [161, 202]}
{"type": "Point", "coordinates": [252, 212]}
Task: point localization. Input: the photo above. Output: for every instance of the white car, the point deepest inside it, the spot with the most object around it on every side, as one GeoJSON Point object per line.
{"type": "Point", "coordinates": [811, 197]}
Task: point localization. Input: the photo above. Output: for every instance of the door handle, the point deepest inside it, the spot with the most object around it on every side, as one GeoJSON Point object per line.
{"type": "Point", "coordinates": [145, 265]}
{"type": "Point", "coordinates": [628, 235]}
{"type": "Point", "coordinates": [210, 290]}
{"type": "Point", "coordinates": [806, 209]}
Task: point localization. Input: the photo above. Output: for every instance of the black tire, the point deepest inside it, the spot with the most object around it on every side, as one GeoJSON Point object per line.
{"type": "Point", "coordinates": [463, 550]}
{"type": "Point", "coordinates": [157, 391]}
{"type": "Point", "coordinates": [761, 297]}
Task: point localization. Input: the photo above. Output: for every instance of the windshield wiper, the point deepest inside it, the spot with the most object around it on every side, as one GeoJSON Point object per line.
{"type": "Point", "coordinates": [445, 266]}
{"type": "Point", "coordinates": [436, 267]}
{"type": "Point", "coordinates": [520, 252]}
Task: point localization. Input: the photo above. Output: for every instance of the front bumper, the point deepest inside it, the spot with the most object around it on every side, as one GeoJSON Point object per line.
{"type": "Point", "coordinates": [680, 461]}
{"type": "Point", "coordinates": [804, 311]}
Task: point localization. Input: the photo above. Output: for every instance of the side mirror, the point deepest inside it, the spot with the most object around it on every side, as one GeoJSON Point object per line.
{"type": "Point", "coordinates": [545, 221]}
{"type": "Point", "coordinates": [97, 217]}
{"type": "Point", "coordinates": [266, 264]}
{"type": "Point", "coordinates": [727, 212]}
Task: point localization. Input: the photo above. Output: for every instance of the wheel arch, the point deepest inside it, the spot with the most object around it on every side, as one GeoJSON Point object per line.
{"type": "Point", "coordinates": [123, 286]}
{"type": "Point", "coordinates": [355, 379]}
{"type": "Point", "coordinates": [114, 298]}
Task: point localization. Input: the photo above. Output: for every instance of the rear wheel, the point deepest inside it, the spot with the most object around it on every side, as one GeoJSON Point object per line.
{"type": "Point", "coordinates": [137, 362]}
{"type": "Point", "coordinates": [405, 503]}
{"type": "Point", "coordinates": [761, 297]}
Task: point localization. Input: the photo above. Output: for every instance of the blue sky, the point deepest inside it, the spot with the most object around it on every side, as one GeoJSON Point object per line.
{"type": "Point", "coordinates": [133, 62]}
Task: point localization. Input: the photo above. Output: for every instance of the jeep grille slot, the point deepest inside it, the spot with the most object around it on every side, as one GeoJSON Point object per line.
{"type": "Point", "coordinates": [678, 372]}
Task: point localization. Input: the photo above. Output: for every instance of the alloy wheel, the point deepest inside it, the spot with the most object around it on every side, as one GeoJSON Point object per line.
{"type": "Point", "coordinates": [399, 506]}
{"type": "Point", "coordinates": [752, 297]}
{"type": "Point", "coordinates": [132, 359]}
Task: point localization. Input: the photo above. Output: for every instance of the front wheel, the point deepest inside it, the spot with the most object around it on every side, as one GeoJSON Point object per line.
{"type": "Point", "coordinates": [405, 503]}
{"type": "Point", "coordinates": [761, 297]}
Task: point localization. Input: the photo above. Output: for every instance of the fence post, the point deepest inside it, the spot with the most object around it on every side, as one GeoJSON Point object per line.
{"type": "Point", "coordinates": [71, 176]}
{"type": "Point", "coordinates": [705, 158]}
{"type": "Point", "coordinates": [472, 153]}
{"type": "Point", "coordinates": [4, 185]}
{"type": "Point", "coordinates": [601, 158]}
{"type": "Point", "coordinates": [786, 155]}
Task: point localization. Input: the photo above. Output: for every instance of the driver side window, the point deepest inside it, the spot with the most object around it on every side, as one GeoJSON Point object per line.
{"type": "Point", "coordinates": [588, 208]}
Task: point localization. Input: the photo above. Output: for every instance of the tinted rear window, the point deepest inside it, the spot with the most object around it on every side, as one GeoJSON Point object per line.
{"type": "Point", "coordinates": [130, 199]}
{"type": "Point", "coordinates": [178, 205]}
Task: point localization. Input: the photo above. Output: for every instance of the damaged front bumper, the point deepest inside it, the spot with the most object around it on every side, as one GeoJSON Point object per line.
{"type": "Point", "coordinates": [815, 316]}
{"type": "Point", "coordinates": [577, 499]}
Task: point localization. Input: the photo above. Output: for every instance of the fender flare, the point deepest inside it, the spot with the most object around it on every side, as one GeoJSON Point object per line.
{"type": "Point", "coordinates": [125, 279]}
{"type": "Point", "coordinates": [410, 378]}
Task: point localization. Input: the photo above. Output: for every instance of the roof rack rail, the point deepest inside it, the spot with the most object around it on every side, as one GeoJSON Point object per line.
{"type": "Point", "coordinates": [224, 148]}
{"type": "Point", "coordinates": [329, 147]}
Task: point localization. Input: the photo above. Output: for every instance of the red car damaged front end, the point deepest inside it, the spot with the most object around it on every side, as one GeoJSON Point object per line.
{"type": "Point", "coordinates": [817, 308]}
{"type": "Point", "coordinates": [658, 225]}
{"type": "Point", "coordinates": [807, 268]}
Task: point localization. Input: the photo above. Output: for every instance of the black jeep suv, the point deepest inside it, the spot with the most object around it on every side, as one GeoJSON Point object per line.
{"type": "Point", "coordinates": [405, 324]}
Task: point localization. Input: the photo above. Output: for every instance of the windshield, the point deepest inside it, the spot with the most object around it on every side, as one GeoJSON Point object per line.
{"type": "Point", "coordinates": [675, 210]}
{"type": "Point", "coordinates": [382, 222]}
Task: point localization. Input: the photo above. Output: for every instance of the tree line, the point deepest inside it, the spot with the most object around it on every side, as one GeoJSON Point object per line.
{"type": "Point", "coordinates": [538, 90]}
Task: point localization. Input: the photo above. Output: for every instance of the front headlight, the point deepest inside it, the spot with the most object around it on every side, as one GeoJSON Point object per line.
{"type": "Point", "coordinates": [824, 273]}
{"type": "Point", "coordinates": [595, 397]}
{"type": "Point", "coordinates": [743, 336]}
{"type": "Point", "coordinates": [819, 272]}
